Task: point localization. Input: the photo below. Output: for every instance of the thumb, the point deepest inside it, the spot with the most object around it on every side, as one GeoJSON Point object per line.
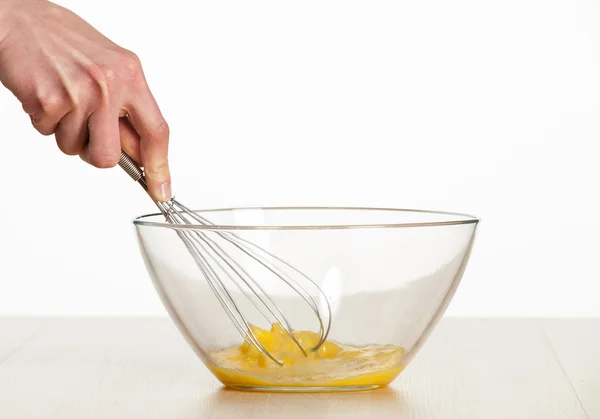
{"type": "Point", "coordinates": [153, 131]}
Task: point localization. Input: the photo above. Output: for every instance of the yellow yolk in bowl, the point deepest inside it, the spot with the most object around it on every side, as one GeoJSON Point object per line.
{"type": "Point", "coordinates": [332, 365]}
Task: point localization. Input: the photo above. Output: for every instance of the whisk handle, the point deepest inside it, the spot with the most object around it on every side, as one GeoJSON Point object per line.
{"type": "Point", "coordinates": [130, 167]}
{"type": "Point", "coordinates": [133, 170]}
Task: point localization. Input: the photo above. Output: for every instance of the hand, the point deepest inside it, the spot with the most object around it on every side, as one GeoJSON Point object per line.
{"type": "Point", "coordinates": [77, 84]}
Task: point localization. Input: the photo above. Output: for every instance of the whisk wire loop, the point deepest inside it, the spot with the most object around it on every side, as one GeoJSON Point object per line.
{"type": "Point", "coordinates": [204, 249]}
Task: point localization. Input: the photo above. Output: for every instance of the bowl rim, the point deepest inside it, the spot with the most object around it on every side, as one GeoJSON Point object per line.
{"type": "Point", "coordinates": [465, 219]}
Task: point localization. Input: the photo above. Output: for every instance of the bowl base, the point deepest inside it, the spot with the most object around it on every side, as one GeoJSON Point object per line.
{"type": "Point", "coordinates": [315, 389]}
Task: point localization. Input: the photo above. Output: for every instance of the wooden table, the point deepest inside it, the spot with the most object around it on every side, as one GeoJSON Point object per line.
{"type": "Point", "coordinates": [142, 368]}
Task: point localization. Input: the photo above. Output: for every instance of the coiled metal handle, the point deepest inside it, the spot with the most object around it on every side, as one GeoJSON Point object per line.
{"type": "Point", "coordinates": [130, 167]}
{"type": "Point", "coordinates": [133, 170]}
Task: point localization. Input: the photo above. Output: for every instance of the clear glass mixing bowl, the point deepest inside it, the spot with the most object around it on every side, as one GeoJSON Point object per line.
{"type": "Point", "coordinates": [387, 274]}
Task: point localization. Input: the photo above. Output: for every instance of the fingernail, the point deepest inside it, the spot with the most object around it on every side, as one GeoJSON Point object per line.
{"type": "Point", "coordinates": [165, 191]}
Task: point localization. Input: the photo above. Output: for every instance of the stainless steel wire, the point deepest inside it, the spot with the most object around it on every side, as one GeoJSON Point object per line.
{"type": "Point", "coordinates": [214, 263]}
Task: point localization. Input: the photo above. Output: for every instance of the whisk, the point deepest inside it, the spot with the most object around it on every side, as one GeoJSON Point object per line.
{"type": "Point", "coordinates": [215, 263]}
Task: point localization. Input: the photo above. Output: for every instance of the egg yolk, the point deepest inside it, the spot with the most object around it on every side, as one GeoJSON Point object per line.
{"type": "Point", "coordinates": [332, 365]}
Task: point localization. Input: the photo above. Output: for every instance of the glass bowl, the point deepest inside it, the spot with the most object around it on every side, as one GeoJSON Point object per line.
{"type": "Point", "coordinates": [381, 279]}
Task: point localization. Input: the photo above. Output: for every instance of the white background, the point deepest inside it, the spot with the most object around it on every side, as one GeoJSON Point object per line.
{"type": "Point", "coordinates": [489, 108]}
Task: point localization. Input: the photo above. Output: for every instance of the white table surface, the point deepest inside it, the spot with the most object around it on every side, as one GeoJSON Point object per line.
{"type": "Point", "coordinates": [141, 368]}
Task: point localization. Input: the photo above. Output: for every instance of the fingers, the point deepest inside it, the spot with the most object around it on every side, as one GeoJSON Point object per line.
{"type": "Point", "coordinates": [46, 113]}
{"type": "Point", "coordinates": [72, 133]}
{"type": "Point", "coordinates": [130, 140]}
{"type": "Point", "coordinates": [104, 147]}
{"type": "Point", "coordinates": [153, 131]}
{"type": "Point", "coordinates": [108, 108]}
{"type": "Point", "coordinates": [130, 143]}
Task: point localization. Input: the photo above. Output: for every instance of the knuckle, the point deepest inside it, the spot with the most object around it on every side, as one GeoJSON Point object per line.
{"type": "Point", "coordinates": [103, 77]}
{"type": "Point", "coordinates": [109, 74]}
{"type": "Point", "coordinates": [97, 73]}
{"type": "Point", "coordinates": [70, 148]}
{"type": "Point", "coordinates": [160, 133]}
{"type": "Point", "coordinates": [44, 130]}
{"type": "Point", "coordinates": [131, 64]}
{"type": "Point", "coordinates": [50, 103]}
{"type": "Point", "coordinates": [103, 159]}
{"type": "Point", "coordinates": [72, 151]}
{"type": "Point", "coordinates": [157, 170]}
{"type": "Point", "coordinates": [30, 107]}
{"type": "Point", "coordinates": [42, 126]}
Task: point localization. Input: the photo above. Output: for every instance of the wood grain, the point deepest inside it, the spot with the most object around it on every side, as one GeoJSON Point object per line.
{"type": "Point", "coordinates": [489, 368]}
{"type": "Point", "coordinates": [142, 368]}
{"type": "Point", "coordinates": [14, 333]}
{"type": "Point", "coordinates": [576, 343]}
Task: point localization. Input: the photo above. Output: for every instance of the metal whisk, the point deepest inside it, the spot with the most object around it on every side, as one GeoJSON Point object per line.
{"type": "Point", "coordinates": [212, 259]}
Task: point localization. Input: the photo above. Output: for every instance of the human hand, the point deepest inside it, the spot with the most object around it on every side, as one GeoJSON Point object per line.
{"type": "Point", "coordinates": [78, 85]}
